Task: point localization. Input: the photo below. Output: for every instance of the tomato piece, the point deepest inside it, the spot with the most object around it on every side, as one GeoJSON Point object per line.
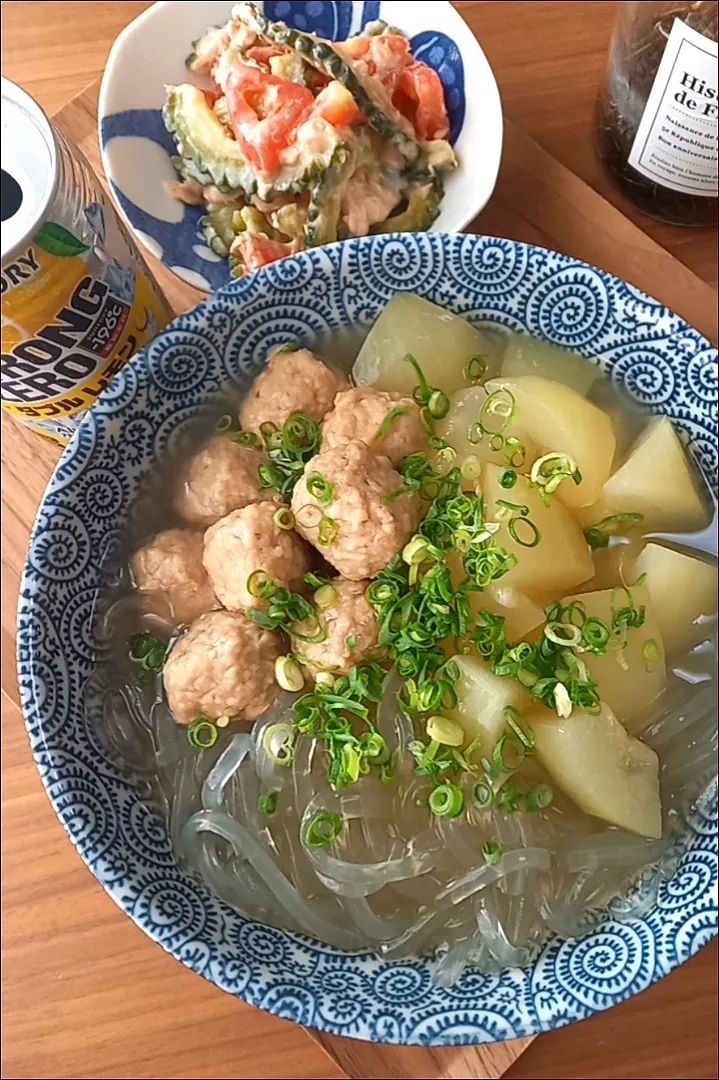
{"type": "Point", "coordinates": [211, 96]}
{"type": "Point", "coordinates": [262, 54]}
{"type": "Point", "coordinates": [257, 250]}
{"type": "Point", "coordinates": [420, 97]}
{"type": "Point", "coordinates": [382, 57]}
{"type": "Point", "coordinates": [336, 105]}
{"type": "Point", "coordinates": [265, 111]}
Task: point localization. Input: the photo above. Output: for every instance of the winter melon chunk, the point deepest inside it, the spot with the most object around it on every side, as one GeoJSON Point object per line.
{"type": "Point", "coordinates": [559, 560]}
{"type": "Point", "coordinates": [460, 426]}
{"type": "Point", "coordinates": [606, 771]}
{"type": "Point", "coordinates": [555, 417]}
{"type": "Point", "coordinates": [683, 592]}
{"type": "Point", "coordinates": [481, 700]}
{"type": "Point", "coordinates": [527, 355]}
{"type": "Point", "coordinates": [440, 342]}
{"type": "Point", "coordinates": [628, 679]}
{"type": "Point", "coordinates": [657, 481]}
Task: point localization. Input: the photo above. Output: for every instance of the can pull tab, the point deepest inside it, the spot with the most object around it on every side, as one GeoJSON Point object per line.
{"type": "Point", "coordinates": [10, 196]}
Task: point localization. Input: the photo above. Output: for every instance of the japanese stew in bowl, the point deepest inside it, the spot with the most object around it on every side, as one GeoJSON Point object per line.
{"type": "Point", "coordinates": [423, 653]}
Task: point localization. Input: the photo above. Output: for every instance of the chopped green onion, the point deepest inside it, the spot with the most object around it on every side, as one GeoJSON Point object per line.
{"type": "Point", "coordinates": [595, 634]}
{"type": "Point", "coordinates": [290, 448]}
{"type": "Point", "coordinates": [244, 438]}
{"type": "Point", "coordinates": [551, 469]}
{"type": "Point", "coordinates": [325, 596]}
{"type": "Point", "coordinates": [267, 803]}
{"type": "Point", "coordinates": [415, 551]}
{"type": "Point", "coordinates": [288, 674]}
{"type": "Point", "coordinates": [507, 478]}
{"type": "Point", "coordinates": [651, 654]}
{"type": "Point", "coordinates": [327, 531]}
{"type": "Point", "coordinates": [288, 346]}
{"type": "Point", "coordinates": [350, 642]}
{"type": "Point", "coordinates": [202, 734]}
{"type": "Point", "coordinates": [475, 369]}
{"type": "Point", "coordinates": [446, 455]}
{"type": "Point", "coordinates": [516, 452]}
{"type": "Point", "coordinates": [270, 476]}
{"type": "Point", "coordinates": [260, 585]}
{"type": "Point", "coordinates": [471, 468]}
{"type": "Point", "coordinates": [446, 800]}
{"type": "Point", "coordinates": [278, 741]}
{"type": "Point", "coordinates": [500, 406]}
{"type": "Point", "coordinates": [516, 760]}
{"type": "Point", "coordinates": [519, 508]}
{"type": "Point", "coordinates": [444, 731]}
{"type": "Point", "coordinates": [538, 798]}
{"type": "Point", "coordinates": [483, 794]}
{"type": "Point", "coordinates": [438, 404]}
{"type": "Point", "coordinates": [271, 435]}
{"type": "Point", "coordinates": [597, 535]}
{"type": "Point", "coordinates": [492, 851]}
{"type": "Point", "coordinates": [319, 488]}
{"type": "Point", "coordinates": [352, 762]}
{"type": "Point", "coordinates": [321, 829]}
{"type": "Point", "coordinates": [398, 410]}
{"type": "Point", "coordinates": [315, 581]}
{"type": "Point", "coordinates": [311, 516]}
{"type": "Point", "coordinates": [224, 424]}
{"type": "Point", "coordinates": [563, 634]}
{"type": "Point", "coordinates": [284, 518]}
{"type": "Point", "coordinates": [536, 535]}
{"type": "Point", "coordinates": [514, 719]}
{"type": "Point", "coordinates": [421, 393]}
{"type": "Point", "coordinates": [148, 653]}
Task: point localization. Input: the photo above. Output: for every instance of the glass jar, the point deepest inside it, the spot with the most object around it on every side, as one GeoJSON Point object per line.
{"type": "Point", "coordinates": [656, 126]}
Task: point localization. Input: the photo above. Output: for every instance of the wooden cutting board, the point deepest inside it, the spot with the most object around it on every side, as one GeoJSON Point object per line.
{"type": "Point", "coordinates": [536, 200]}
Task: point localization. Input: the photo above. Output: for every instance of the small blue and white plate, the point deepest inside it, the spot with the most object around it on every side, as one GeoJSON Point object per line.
{"type": "Point", "coordinates": [150, 54]}
{"type": "Point", "coordinates": [204, 356]}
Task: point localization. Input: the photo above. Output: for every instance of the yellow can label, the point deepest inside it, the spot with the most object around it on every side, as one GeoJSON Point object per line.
{"type": "Point", "coordinates": [73, 314]}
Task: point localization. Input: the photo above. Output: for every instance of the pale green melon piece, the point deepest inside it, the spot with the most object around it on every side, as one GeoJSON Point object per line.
{"type": "Point", "coordinates": [440, 342]}
{"type": "Point", "coordinates": [526, 355]}
{"type": "Point", "coordinates": [604, 770]}
{"type": "Point", "coordinates": [482, 699]}
{"type": "Point", "coordinates": [683, 592]}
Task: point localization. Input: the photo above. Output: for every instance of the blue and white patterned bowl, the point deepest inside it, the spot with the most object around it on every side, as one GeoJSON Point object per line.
{"type": "Point", "coordinates": [150, 54]}
{"type": "Point", "coordinates": [216, 347]}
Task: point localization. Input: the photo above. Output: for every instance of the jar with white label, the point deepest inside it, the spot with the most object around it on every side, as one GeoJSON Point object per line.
{"type": "Point", "coordinates": [656, 130]}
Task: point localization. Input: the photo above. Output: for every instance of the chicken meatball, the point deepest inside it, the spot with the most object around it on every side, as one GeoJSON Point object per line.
{"type": "Point", "coordinates": [291, 382]}
{"type": "Point", "coordinates": [387, 422]}
{"type": "Point", "coordinates": [248, 540]}
{"type": "Point", "coordinates": [351, 629]}
{"type": "Point", "coordinates": [169, 570]}
{"type": "Point", "coordinates": [362, 531]}
{"type": "Point", "coordinates": [223, 666]}
{"type": "Point", "coordinates": [221, 478]}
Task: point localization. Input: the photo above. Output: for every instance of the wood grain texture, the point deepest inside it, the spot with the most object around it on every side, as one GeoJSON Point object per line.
{"type": "Point", "coordinates": [86, 994]}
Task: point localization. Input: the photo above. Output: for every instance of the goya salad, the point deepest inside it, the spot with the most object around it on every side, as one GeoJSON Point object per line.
{"type": "Point", "coordinates": [304, 141]}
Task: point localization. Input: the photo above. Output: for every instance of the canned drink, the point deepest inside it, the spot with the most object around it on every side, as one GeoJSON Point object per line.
{"type": "Point", "coordinates": [77, 298]}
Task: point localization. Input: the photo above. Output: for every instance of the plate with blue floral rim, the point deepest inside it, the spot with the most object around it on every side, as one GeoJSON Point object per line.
{"type": "Point", "coordinates": [78, 537]}
{"type": "Point", "coordinates": [150, 53]}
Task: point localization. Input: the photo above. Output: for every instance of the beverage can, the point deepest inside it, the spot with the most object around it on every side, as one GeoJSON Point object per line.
{"type": "Point", "coordinates": [77, 298]}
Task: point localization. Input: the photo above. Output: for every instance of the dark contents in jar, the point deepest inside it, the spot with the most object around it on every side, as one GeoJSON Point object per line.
{"type": "Point", "coordinates": [620, 109]}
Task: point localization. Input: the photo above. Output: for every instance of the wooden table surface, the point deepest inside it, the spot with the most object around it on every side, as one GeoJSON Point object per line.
{"type": "Point", "coordinates": [69, 957]}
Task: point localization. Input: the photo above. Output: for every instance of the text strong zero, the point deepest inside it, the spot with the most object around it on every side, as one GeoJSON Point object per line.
{"type": "Point", "coordinates": [77, 299]}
